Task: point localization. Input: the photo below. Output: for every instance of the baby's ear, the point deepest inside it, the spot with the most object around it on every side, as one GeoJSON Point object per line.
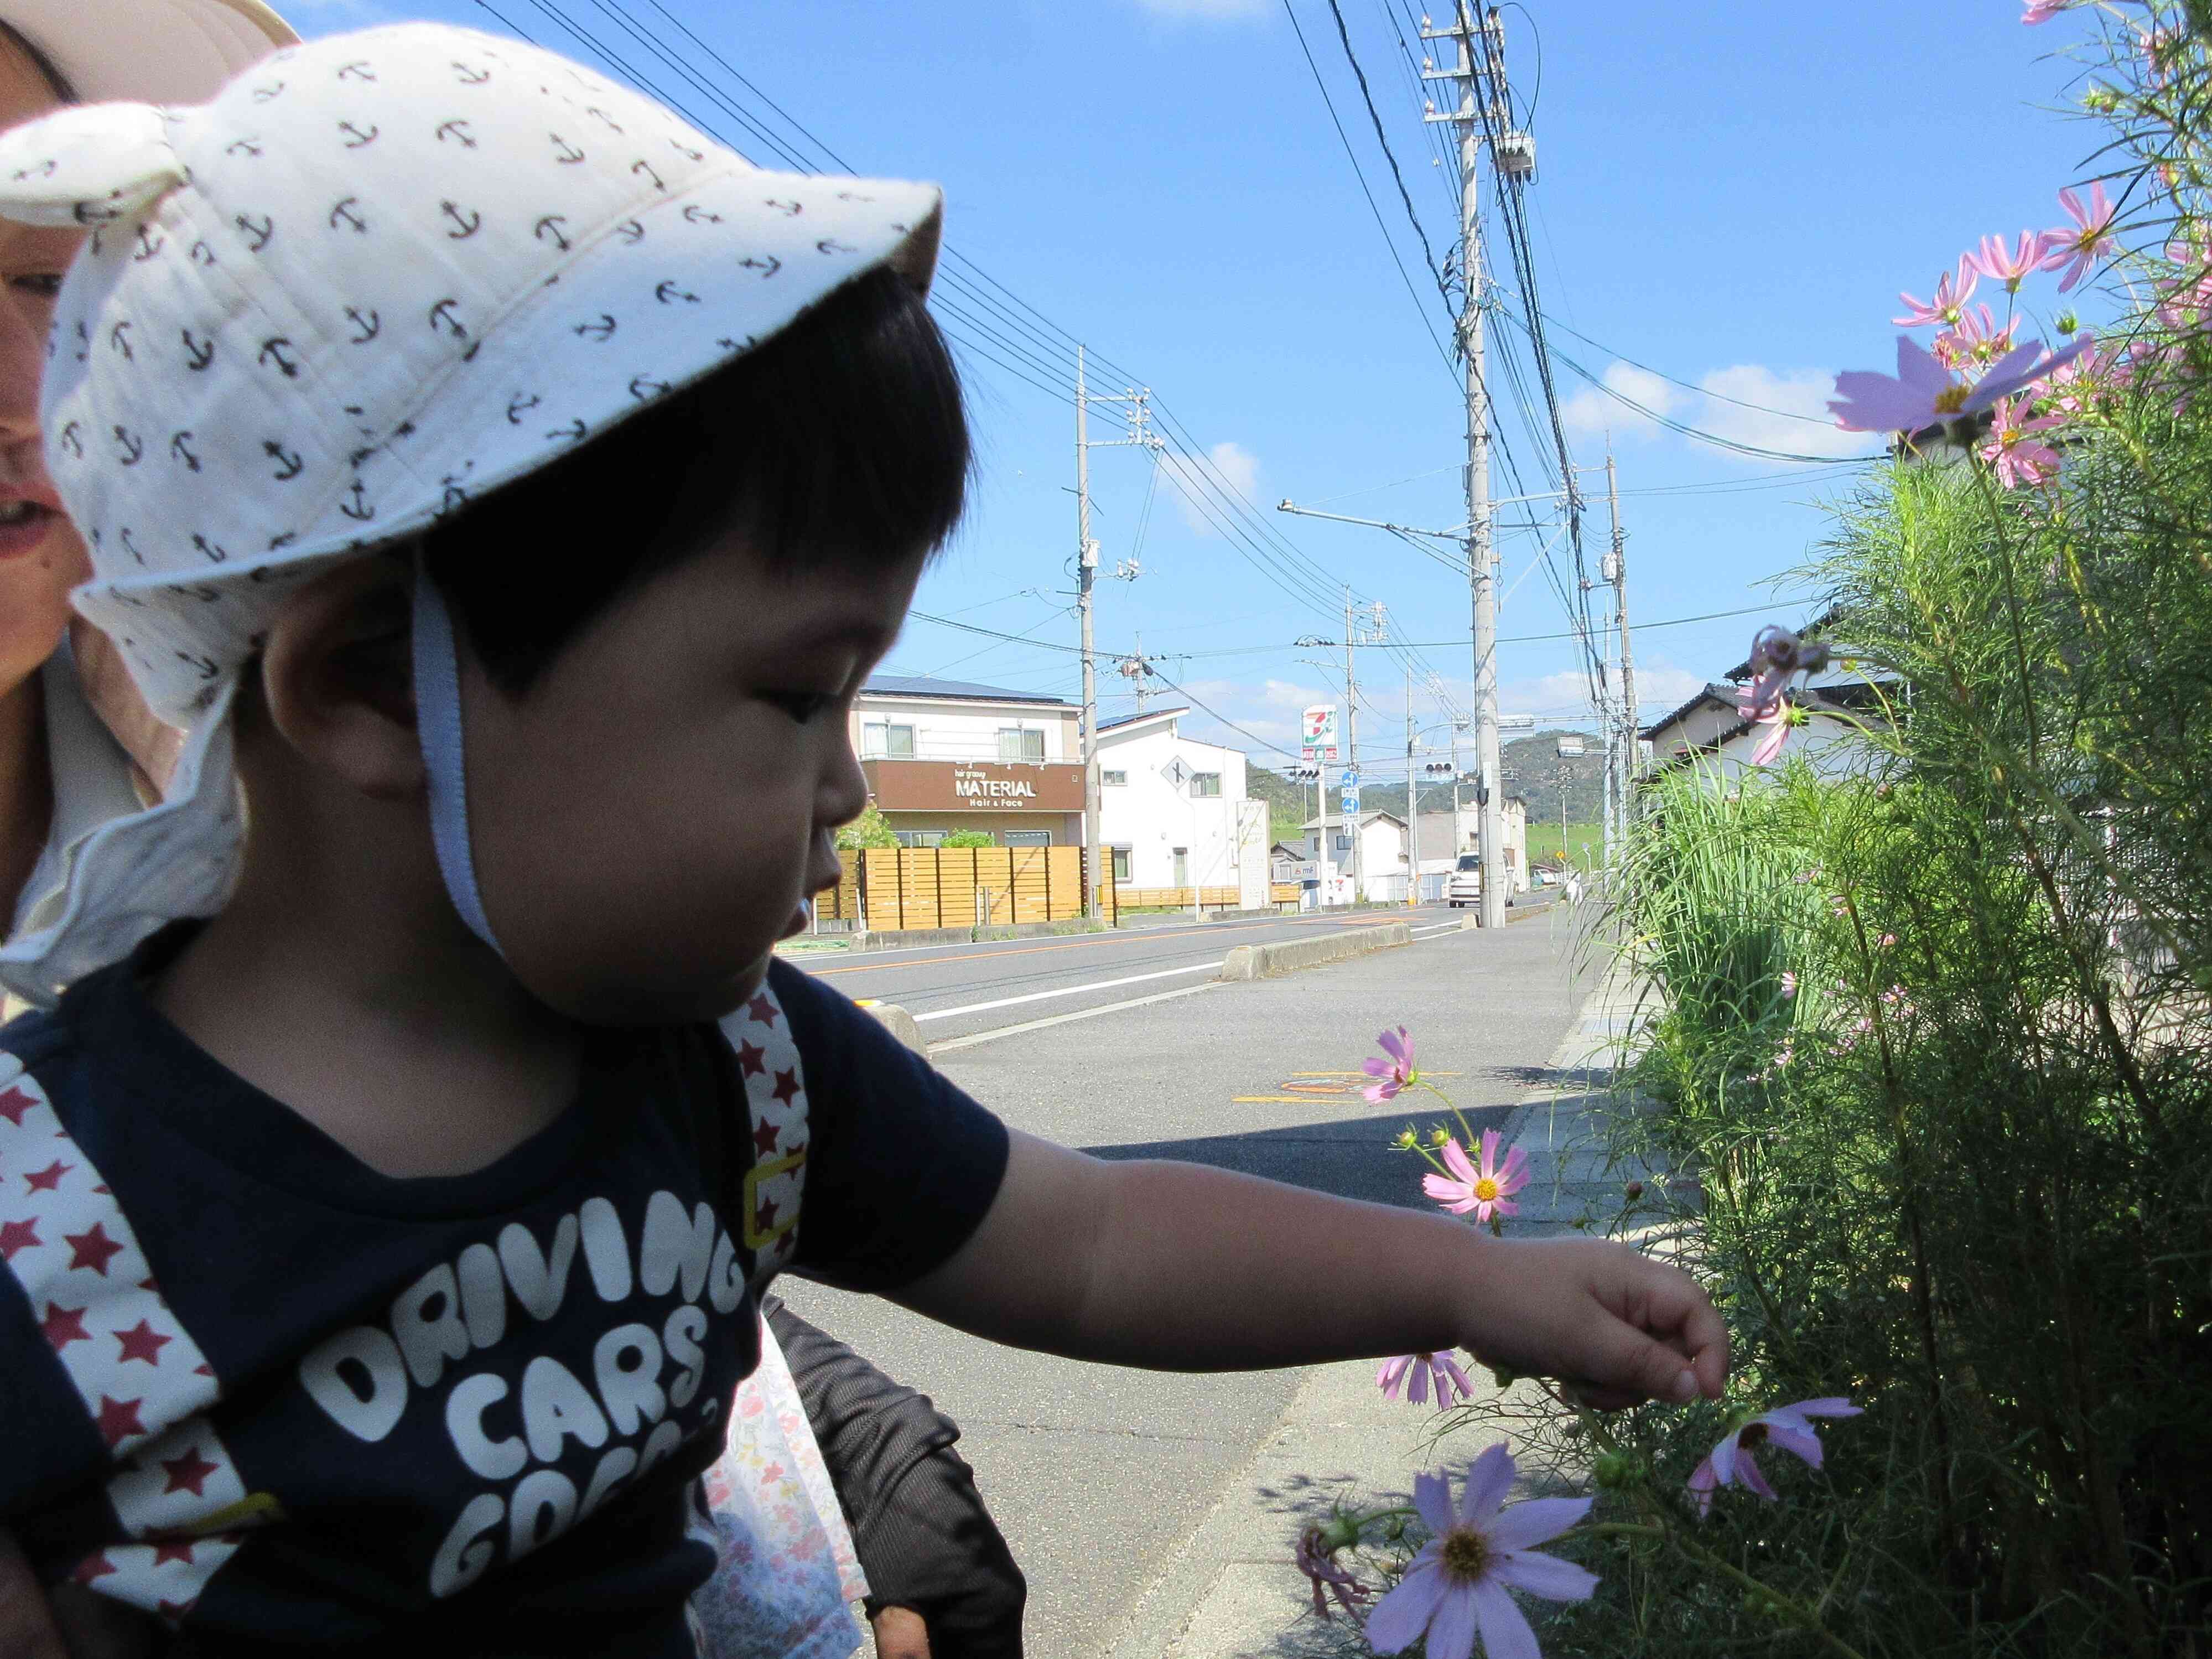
{"type": "Point", "coordinates": [336, 674]}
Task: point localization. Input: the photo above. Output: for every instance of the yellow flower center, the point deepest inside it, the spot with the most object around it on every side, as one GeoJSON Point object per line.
{"type": "Point", "coordinates": [1465, 1554]}
{"type": "Point", "coordinates": [1485, 1187]}
{"type": "Point", "coordinates": [1950, 400]}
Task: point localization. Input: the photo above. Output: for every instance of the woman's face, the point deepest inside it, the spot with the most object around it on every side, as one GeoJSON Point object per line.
{"type": "Point", "coordinates": [40, 556]}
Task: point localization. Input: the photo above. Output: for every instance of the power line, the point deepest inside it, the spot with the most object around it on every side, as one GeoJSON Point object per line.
{"type": "Point", "coordinates": [1428, 254]}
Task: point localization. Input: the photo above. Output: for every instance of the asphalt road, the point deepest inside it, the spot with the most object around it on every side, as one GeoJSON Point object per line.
{"type": "Point", "coordinates": [960, 991]}
{"type": "Point", "coordinates": [1101, 1475]}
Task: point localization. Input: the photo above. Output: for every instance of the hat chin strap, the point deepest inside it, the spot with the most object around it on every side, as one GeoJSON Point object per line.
{"type": "Point", "coordinates": [438, 729]}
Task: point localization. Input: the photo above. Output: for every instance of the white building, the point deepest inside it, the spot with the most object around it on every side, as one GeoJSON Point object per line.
{"type": "Point", "coordinates": [1381, 847]}
{"type": "Point", "coordinates": [1173, 812]}
{"type": "Point", "coordinates": [947, 755]}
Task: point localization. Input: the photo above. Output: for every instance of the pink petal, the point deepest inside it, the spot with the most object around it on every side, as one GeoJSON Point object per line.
{"type": "Point", "coordinates": [1451, 1368]}
{"type": "Point", "coordinates": [1392, 1374]}
{"type": "Point", "coordinates": [1451, 1632]}
{"type": "Point", "coordinates": [1455, 1159]}
{"type": "Point", "coordinates": [1489, 1152]}
{"type": "Point", "coordinates": [1374, 1067]}
{"type": "Point", "coordinates": [1831, 1405]}
{"type": "Point", "coordinates": [1483, 1210]}
{"type": "Point", "coordinates": [1504, 1206]}
{"type": "Point", "coordinates": [1538, 1574]}
{"type": "Point", "coordinates": [2072, 203]}
{"type": "Point", "coordinates": [1432, 1499]}
{"type": "Point", "coordinates": [1770, 744]}
{"type": "Point", "coordinates": [1489, 1478]}
{"type": "Point", "coordinates": [1747, 1468]}
{"type": "Point", "coordinates": [1515, 1175]}
{"type": "Point", "coordinates": [1377, 1093]}
{"type": "Point", "coordinates": [1454, 1195]}
{"type": "Point", "coordinates": [1536, 1522]}
{"type": "Point", "coordinates": [1801, 1443]}
{"type": "Point", "coordinates": [1400, 1618]}
{"type": "Point", "coordinates": [1398, 1046]}
{"type": "Point", "coordinates": [1701, 1484]}
{"type": "Point", "coordinates": [1722, 1460]}
{"type": "Point", "coordinates": [1417, 1382]}
{"type": "Point", "coordinates": [1505, 1634]}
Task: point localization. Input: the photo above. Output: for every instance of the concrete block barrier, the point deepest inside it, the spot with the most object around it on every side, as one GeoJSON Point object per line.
{"type": "Point", "coordinates": [1259, 961]}
{"type": "Point", "coordinates": [901, 1024]}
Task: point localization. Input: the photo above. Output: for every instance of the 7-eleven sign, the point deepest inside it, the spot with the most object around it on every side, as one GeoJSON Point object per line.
{"type": "Point", "coordinates": [1317, 733]}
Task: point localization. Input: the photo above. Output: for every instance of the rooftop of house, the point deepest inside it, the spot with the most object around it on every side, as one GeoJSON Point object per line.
{"type": "Point", "coordinates": [921, 685]}
{"type": "Point", "coordinates": [1147, 714]}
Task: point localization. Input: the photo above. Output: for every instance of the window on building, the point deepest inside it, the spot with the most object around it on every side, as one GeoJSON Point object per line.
{"type": "Point", "coordinates": [1205, 785]}
{"type": "Point", "coordinates": [918, 837]}
{"type": "Point", "coordinates": [1021, 743]}
{"type": "Point", "coordinates": [1113, 780]}
{"type": "Point", "coordinates": [884, 739]}
{"type": "Point", "coordinates": [1121, 863]}
{"type": "Point", "coordinates": [1025, 837]}
{"type": "Point", "coordinates": [1183, 867]}
{"type": "Point", "coordinates": [1344, 844]}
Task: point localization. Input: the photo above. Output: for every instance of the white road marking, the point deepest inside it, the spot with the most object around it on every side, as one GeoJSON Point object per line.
{"type": "Point", "coordinates": [1062, 1019]}
{"type": "Point", "coordinates": [1069, 991]}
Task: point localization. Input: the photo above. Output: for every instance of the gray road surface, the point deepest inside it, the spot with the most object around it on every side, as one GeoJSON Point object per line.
{"type": "Point", "coordinates": [958, 990]}
{"type": "Point", "coordinates": [1097, 1474]}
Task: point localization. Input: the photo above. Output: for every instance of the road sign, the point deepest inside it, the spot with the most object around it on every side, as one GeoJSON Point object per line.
{"type": "Point", "coordinates": [1350, 801]}
{"type": "Point", "coordinates": [1570, 746]}
{"type": "Point", "coordinates": [1348, 778]}
{"type": "Point", "coordinates": [1317, 731]}
{"type": "Point", "coordinates": [1175, 773]}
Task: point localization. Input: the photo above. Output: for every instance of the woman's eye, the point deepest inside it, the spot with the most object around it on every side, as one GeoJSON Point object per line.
{"type": "Point", "coordinates": [801, 706]}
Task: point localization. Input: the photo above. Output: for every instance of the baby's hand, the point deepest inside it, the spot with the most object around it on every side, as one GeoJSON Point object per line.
{"type": "Point", "coordinates": [1615, 1326]}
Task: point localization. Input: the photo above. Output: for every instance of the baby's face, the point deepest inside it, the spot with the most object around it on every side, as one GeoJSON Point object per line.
{"type": "Point", "coordinates": [649, 820]}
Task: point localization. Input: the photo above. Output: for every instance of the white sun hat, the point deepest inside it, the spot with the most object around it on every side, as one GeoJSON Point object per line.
{"type": "Point", "coordinates": [377, 277]}
{"type": "Point", "coordinates": [161, 51]}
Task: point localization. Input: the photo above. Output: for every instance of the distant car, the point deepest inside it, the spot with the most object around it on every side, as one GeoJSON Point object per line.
{"type": "Point", "coordinates": [1544, 877]}
{"type": "Point", "coordinates": [1466, 885]}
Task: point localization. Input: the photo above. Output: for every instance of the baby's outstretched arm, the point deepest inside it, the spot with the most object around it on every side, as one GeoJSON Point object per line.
{"type": "Point", "coordinates": [1182, 1267]}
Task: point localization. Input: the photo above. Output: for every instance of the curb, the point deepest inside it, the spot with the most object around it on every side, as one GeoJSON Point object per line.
{"type": "Point", "coordinates": [899, 1023]}
{"type": "Point", "coordinates": [1259, 961]}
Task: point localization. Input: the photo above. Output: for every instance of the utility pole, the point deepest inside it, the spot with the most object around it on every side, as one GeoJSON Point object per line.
{"type": "Point", "coordinates": [1086, 570]}
{"type": "Point", "coordinates": [1412, 804]}
{"type": "Point", "coordinates": [1086, 562]}
{"type": "Point", "coordinates": [1617, 573]}
{"type": "Point", "coordinates": [1468, 36]}
{"type": "Point", "coordinates": [1352, 756]}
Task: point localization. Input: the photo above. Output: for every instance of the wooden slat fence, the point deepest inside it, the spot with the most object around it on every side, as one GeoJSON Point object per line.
{"type": "Point", "coordinates": [897, 888]}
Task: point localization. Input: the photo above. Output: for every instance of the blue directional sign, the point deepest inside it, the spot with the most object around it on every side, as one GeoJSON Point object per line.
{"type": "Point", "coordinates": [1351, 800]}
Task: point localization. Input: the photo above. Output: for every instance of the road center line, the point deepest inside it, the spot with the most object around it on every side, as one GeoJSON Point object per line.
{"type": "Point", "coordinates": [1067, 991]}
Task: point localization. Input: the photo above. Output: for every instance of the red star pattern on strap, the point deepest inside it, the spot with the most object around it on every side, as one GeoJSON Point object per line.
{"type": "Point", "coordinates": [92, 1249]}
{"type": "Point", "coordinates": [764, 1139]}
{"type": "Point", "coordinates": [93, 1565]}
{"type": "Point", "coordinates": [49, 1179]}
{"type": "Point", "coordinates": [171, 1549]}
{"type": "Point", "coordinates": [786, 1085]}
{"type": "Point", "coordinates": [188, 1473]}
{"type": "Point", "coordinates": [764, 1009]}
{"type": "Point", "coordinates": [142, 1341]}
{"type": "Point", "coordinates": [764, 1215]}
{"type": "Point", "coordinates": [63, 1326]}
{"type": "Point", "coordinates": [14, 1103]}
{"type": "Point", "coordinates": [119, 1419]}
{"type": "Point", "coordinates": [17, 1235]}
{"type": "Point", "coordinates": [753, 1059]}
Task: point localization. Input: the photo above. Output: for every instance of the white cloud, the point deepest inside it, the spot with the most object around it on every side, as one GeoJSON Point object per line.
{"type": "Point", "coordinates": [1590, 413]}
{"type": "Point", "coordinates": [1791, 412]}
{"type": "Point", "coordinates": [1209, 11]}
{"type": "Point", "coordinates": [1199, 499]}
{"type": "Point", "coordinates": [1798, 392]}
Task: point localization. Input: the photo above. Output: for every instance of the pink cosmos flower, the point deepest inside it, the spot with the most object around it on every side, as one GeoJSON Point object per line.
{"type": "Point", "coordinates": [1413, 1372]}
{"type": "Point", "coordinates": [1318, 1562]}
{"type": "Point", "coordinates": [1456, 1585]}
{"type": "Point", "coordinates": [1923, 393]}
{"type": "Point", "coordinates": [1487, 1191]}
{"type": "Point", "coordinates": [1790, 1427]}
{"type": "Point", "coordinates": [1789, 983]}
{"type": "Point", "coordinates": [1978, 339]}
{"type": "Point", "coordinates": [1776, 720]}
{"type": "Point", "coordinates": [1949, 302]}
{"type": "Point", "coordinates": [1394, 1073]}
{"type": "Point", "coordinates": [2018, 459]}
{"type": "Point", "coordinates": [1994, 262]}
{"type": "Point", "coordinates": [2073, 387]}
{"type": "Point", "coordinates": [2077, 247]}
{"type": "Point", "coordinates": [1777, 655]}
{"type": "Point", "coordinates": [2042, 11]}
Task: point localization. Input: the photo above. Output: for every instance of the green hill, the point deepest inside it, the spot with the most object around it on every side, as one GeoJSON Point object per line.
{"type": "Point", "coordinates": [1533, 767]}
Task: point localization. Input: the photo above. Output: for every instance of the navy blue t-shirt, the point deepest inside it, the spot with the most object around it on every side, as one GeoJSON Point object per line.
{"type": "Point", "coordinates": [250, 1383]}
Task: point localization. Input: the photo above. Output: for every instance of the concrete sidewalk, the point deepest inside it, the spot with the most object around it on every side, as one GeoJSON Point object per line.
{"type": "Point", "coordinates": [1231, 1590]}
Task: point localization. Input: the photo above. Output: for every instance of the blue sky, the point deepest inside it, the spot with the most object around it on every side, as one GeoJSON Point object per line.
{"type": "Point", "coordinates": [1731, 193]}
